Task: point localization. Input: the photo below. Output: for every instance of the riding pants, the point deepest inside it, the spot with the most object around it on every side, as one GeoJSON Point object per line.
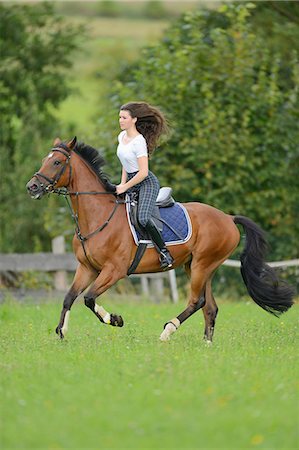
{"type": "Point", "coordinates": [147, 192]}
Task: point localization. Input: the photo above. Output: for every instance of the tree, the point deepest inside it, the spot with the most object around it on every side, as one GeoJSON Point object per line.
{"type": "Point", "coordinates": [235, 123]}
{"type": "Point", "coordinates": [36, 48]}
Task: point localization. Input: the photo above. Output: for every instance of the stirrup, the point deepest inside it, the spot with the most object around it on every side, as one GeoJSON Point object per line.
{"type": "Point", "coordinates": [166, 260]}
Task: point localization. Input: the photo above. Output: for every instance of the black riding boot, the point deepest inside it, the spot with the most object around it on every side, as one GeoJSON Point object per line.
{"type": "Point", "coordinates": [166, 259]}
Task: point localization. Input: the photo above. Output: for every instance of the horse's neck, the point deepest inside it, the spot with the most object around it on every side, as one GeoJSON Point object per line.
{"type": "Point", "coordinates": [91, 209]}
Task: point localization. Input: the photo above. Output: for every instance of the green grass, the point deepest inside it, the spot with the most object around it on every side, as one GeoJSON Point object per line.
{"type": "Point", "coordinates": [104, 387]}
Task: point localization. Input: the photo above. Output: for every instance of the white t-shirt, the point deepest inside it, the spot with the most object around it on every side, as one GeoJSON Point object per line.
{"type": "Point", "coordinates": [129, 153]}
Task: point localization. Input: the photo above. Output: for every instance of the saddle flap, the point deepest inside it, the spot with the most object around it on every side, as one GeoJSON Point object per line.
{"type": "Point", "coordinates": [133, 212]}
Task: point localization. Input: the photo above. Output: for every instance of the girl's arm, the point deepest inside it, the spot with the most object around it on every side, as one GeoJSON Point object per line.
{"type": "Point", "coordinates": [123, 176]}
{"type": "Point", "coordinates": [140, 176]}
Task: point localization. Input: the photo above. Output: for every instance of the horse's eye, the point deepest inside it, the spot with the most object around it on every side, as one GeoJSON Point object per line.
{"type": "Point", "coordinates": [56, 163]}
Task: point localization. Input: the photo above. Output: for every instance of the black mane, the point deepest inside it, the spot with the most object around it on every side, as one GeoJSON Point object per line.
{"type": "Point", "coordinates": [96, 162]}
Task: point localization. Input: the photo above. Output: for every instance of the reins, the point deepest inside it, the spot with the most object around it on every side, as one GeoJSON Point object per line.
{"type": "Point", "coordinates": [75, 217]}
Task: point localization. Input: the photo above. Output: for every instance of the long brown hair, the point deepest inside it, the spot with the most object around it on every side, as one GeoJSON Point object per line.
{"type": "Point", "coordinates": [151, 123]}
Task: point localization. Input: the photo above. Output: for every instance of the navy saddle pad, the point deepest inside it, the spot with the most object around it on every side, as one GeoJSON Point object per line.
{"type": "Point", "coordinates": [177, 228]}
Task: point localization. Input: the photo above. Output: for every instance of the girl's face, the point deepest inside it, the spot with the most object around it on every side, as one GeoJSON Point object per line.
{"type": "Point", "coordinates": [126, 121]}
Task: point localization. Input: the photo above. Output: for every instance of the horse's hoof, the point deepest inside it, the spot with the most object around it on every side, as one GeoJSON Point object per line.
{"type": "Point", "coordinates": [59, 332]}
{"type": "Point", "coordinates": [169, 328]}
{"type": "Point", "coordinates": [116, 321]}
{"type": "Point", "coordinates": [164, 337]}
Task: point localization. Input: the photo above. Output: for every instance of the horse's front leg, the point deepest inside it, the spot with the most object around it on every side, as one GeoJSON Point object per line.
{"type": "Point", "coordinates": [108, 276]}
{"type": "Point", "coordinates": [83, 277]}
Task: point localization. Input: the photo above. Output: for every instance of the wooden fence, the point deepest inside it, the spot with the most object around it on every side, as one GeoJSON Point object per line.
{"type": "Point", "coordinates": [61, 262]}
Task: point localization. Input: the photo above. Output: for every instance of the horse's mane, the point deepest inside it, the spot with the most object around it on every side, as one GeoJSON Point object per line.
{"type": "Point", "coordinates": [96, 162]}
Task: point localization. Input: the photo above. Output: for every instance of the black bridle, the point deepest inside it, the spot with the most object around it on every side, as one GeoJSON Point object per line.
{"type": "Point", "coordinates": [51, 189]}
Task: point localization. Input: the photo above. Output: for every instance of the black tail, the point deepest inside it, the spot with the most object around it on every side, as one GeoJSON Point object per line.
{"type": "Point", "coordinates": [261, 281]}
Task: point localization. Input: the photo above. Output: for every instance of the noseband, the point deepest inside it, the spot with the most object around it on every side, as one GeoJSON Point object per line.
{"type": "Point", "coordinates": [63, 149]}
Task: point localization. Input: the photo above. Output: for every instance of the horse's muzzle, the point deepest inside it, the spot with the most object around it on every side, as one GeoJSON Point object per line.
{"type": "Point", "coordinates": [35, 189]}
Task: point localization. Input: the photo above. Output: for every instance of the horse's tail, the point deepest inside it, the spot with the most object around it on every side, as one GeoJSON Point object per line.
{"type": "Point", "coordinates": [261, 281]}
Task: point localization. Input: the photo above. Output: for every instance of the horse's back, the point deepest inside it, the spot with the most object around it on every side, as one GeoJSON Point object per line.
{"type": "Point", "coordinates": [205, 212]}
{"type": "Point", "coordinates": [212, 226]}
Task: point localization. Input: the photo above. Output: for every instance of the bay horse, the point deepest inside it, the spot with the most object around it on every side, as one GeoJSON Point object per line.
{"type": "Point", "coordinates": [104, 246]}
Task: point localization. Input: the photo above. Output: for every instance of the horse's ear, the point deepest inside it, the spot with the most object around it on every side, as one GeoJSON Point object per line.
{"type": "Point", "coordinates": [71, 144]}
{"type": "Point", "coordinates": [57, 141]}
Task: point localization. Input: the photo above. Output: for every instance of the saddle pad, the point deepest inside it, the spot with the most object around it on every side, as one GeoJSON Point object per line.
{"type": "Point", "coordinates": [178, 219]}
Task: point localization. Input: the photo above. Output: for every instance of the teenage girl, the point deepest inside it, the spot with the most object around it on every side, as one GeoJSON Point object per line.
{"type": "Point", "coordinates": [142, 125]}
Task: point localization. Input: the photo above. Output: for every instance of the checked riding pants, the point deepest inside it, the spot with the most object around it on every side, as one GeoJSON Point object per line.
{"type": "Point", "coordinates": [147, 191]}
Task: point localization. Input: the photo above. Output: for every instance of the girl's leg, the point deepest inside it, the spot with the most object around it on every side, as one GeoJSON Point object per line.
{"type": "Point", "coordinates": [148, 193]}
{"type": "Point", "coordinates": [166, 259]}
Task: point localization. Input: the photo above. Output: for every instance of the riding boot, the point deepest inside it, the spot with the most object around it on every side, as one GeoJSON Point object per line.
{"type": "Point", "coordinates": [166, 259]}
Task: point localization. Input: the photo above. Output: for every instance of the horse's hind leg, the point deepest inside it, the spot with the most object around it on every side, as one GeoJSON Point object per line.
{"type": "Point", "coordinates": [82, 280]}
{"type": "Point", "coordinates": [199, 276]}
{"type": "Point", "coordinates": [210, 311]}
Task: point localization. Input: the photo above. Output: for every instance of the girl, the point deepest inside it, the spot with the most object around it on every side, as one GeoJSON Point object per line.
{"type": "Point", "coordinates": [142, 125]}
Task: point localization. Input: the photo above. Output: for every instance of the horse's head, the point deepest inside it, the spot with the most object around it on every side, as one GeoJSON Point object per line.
{"type": "Point", "coordinates": [55, 170]}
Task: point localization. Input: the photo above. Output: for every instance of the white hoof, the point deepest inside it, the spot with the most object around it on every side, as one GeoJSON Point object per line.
{"type": "Point", "coordinates": [164, 337]}
{"type": "Point", "coordinates": [209, 343]}
{"type": "Point", "coordinates": [168, 330]}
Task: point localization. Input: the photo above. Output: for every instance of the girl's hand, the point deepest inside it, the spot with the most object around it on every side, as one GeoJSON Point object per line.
{"type": "Point", "coordinates": [120, 189]}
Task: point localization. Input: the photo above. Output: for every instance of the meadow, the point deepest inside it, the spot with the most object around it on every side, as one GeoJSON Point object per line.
{"type": "Point", "coordinates": [104, 387]}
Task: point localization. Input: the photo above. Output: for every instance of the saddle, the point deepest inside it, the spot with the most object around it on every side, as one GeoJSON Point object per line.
{"type": "Point", "coordinates": [164, 200]}
{"type": "Point", "coordinates": [170, 217]}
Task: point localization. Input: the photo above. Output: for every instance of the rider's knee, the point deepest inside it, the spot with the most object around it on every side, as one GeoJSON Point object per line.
{"type": "Point", "coordinates": [143, 221]}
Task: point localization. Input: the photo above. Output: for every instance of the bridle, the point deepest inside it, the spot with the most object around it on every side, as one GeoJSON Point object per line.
{"type": "Point", "coordinates": [51, 189]}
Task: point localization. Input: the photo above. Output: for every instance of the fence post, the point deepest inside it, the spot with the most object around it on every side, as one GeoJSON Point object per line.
{"type": "Point", "coordinates": [60, 278]}
{"type": "Point", "coordinates": [157, 288]}
{"type": "Point", "coordinates": [173, 286]}
{"type": "Point", "coordinates": [144, 286]}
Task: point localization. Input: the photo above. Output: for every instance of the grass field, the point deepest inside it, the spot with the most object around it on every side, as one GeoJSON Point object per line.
{"type": "Point", "coordinates": [104, 387]}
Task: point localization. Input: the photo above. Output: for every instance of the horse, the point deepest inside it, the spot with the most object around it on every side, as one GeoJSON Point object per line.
{"type": "Point", "coordinates": [105, 249]}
